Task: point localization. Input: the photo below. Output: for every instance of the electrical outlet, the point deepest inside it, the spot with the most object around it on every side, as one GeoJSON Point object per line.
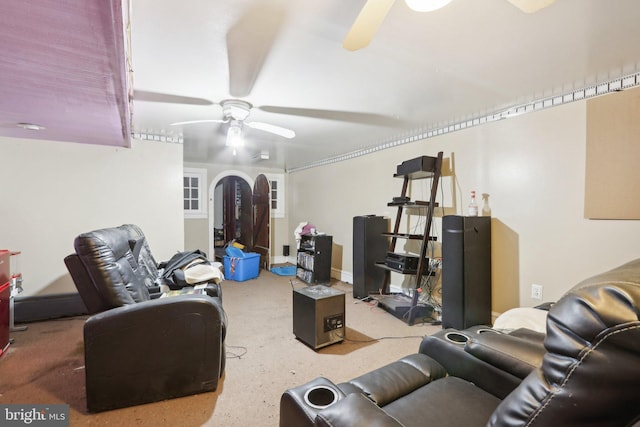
{"type": "Point", "coordinates": [536, 292]}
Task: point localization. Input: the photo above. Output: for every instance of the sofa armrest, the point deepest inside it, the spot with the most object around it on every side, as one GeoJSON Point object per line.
{"type": "Point", "coordinates": [515, 355]}
{"type": "Point", "coordinates": [157, 314]}
{"type": "Point", "coordinates": [396, 379]}
{"type": "Point", "coordinates": [528, 334]}
{"type": "Point", "coordinates": [460, 363]}
{"type": "Point", "coordinates": [353, 411]}
{"type": "Point", "coordinates": [213, 289]}
{"type": "Point", "coordinates": [153, 350]}
{"type": "Point", "coordinates": [298, 409]}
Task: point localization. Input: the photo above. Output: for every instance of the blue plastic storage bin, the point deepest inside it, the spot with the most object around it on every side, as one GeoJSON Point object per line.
{"type": "Point", "coordinates": [241, 269]}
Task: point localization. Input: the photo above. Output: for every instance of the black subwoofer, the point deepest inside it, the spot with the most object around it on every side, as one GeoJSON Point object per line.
{"type": "Point", "coordinates": [318, 315]}
{"type": "Point", "coordinates": [466, 271]}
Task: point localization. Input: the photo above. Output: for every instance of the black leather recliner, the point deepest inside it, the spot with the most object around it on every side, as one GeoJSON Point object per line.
{"type": "Point", "coordinates": [588, 375]}
{"type": "Point", "coordinates": [139, 347]}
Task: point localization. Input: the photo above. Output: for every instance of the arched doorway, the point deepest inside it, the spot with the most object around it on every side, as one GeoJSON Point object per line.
{"type": "Point", "coordinates": [240, 210]}
{"type": "Point", "coordinates": [217, 207]}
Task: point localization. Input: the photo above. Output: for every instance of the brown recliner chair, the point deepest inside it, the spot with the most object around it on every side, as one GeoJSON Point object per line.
{"type": "Point", "coordinates": [589, 375]}
{"type": "Point", "coordinates": [139, 347]}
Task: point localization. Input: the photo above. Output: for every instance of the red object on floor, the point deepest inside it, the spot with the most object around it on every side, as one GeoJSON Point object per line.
{"type": "Point", "coordinates": [5, 266]}
{"type": "Point", "coordinates": [5, 295]}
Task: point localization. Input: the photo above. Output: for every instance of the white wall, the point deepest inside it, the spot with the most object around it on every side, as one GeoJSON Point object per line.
{"type": "Point", "coordinates": [532, 166]}
{"type": "Point", "coordinates": [53, 191]}
{"type": "Point", "coordinates": [197, 230]}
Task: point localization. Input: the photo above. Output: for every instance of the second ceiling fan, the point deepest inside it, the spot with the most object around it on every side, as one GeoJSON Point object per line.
{"type": "Point", "coordinates": [374, 11]}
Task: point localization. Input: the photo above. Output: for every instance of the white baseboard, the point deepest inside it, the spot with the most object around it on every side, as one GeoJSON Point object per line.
{"type": "Point", "coordinates": [280, 259]}
{"type": "Point", "coordinates": [343, 276]}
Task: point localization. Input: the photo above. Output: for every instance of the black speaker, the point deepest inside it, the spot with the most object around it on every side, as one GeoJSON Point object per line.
{"type": "Point", "coordinates": [466, 271]}
{"type": "Point", "coordinates": [369, 247]}
{"type": "Point", "coordinates": [318, 315]}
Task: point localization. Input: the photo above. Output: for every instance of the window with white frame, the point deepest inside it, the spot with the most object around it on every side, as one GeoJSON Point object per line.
{"type": "Point", "coordinates": [194, 193]}
{"type": "Point", "coordinates": [276, 184]}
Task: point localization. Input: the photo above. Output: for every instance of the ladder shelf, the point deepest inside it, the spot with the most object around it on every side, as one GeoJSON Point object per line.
{"type": "Point", "coordinates": [407, 307]}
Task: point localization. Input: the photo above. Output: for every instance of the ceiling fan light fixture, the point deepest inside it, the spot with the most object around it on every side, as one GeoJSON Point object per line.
{"type": "Point", "coordinates": [426, 5]}
{"type": "Point", "coordinates": [234, 135]}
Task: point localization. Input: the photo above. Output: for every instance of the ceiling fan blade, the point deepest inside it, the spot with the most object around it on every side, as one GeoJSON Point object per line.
{"type": "Point", "coordinates": [366, 24]}
{"type": "Point", "coordinates": [192, 122]}
{"type": "Point", "coordinates": [531, 6]}
{"type": "Point", "coordinates": [143, 95]}
{"type": "Point", "coordinates": [249, 42]}
{"type": "Point", "coordinates": [343, 116]}
{"type": "Point", "coordinates": [277, 130]}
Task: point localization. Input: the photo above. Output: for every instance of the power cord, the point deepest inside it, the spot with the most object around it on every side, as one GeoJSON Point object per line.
{"type": "Point", "coordinates": [232, 355]}
{"type": "Point", "coordinates": [344, 337]}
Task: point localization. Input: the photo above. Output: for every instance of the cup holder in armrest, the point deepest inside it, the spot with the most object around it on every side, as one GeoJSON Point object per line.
{"type": "Point", "coordinates": [320, 397]}
{"type": "Point", "coordinates": [485, 330]}
{"type": "Point", "coordinates": [456, 338]}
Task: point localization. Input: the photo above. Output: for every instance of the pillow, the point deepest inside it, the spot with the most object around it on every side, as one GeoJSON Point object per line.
{"type": "Point", "coordinates": [522, 317]}
{"type": "Point", "coordinates": [203, 272]}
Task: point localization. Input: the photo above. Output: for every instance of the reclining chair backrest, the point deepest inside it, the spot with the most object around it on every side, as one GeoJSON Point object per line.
{"type": "Point", "coordinates": [88, 292]}
{"type": "Point", "coordinates": [108, 258]}
{"type": "Point", "coordinates": [144, 258]}
{"type": "Point", "coordinates": [590, 373]}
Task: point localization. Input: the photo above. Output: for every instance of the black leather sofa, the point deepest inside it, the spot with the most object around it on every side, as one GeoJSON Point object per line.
{"type": "Point", "coordinates": [585, 371]}
{"type": "Point", "coordinates": [138, 346]}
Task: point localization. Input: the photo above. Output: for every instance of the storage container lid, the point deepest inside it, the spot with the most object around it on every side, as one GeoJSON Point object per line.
{"type": "Point", "coordinates": [235, 252]}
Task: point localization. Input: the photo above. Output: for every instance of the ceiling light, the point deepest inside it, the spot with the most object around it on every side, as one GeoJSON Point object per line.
{"type": "Point", "coordinates": [426, 5]}
{"type": "Point", "coordinates": [30, 126]}
{"type": "Point", "coordinates": [234, 135]}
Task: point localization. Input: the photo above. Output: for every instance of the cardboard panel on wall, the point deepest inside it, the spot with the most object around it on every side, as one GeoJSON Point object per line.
{"type": "Point", "coordinates": [613, 156]}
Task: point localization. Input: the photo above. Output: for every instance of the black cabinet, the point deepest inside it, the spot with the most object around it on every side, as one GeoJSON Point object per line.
{"type": "Point", "coordinates": [466, 271]}
{"type": "Point", "coordinates": [314, 258]}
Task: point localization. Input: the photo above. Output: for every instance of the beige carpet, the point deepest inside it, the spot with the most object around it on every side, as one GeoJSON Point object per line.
{"type": "Point", "coordinates": [45, 363]}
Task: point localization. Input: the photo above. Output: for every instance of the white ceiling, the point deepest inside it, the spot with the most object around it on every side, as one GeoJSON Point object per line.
{"type": "Point", "coordinates": [422, 70]}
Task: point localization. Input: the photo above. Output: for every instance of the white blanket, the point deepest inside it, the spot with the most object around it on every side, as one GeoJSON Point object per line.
{"type": "Point", "coordinates": [203, 272]}
{"type": "Point", "coordinates": [522, 317]}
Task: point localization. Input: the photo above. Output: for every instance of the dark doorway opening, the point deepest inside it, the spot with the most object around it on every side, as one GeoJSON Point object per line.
{"type": "Point", "coordinates": [237, 213]}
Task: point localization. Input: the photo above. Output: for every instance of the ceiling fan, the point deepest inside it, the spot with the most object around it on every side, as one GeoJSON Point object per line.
{"type": "Point", "coordinates": [249, 42]}
{"type": "Point", "coordinates": [374, 12]}
{"type": "Point", "coordinates": [236, 112]}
